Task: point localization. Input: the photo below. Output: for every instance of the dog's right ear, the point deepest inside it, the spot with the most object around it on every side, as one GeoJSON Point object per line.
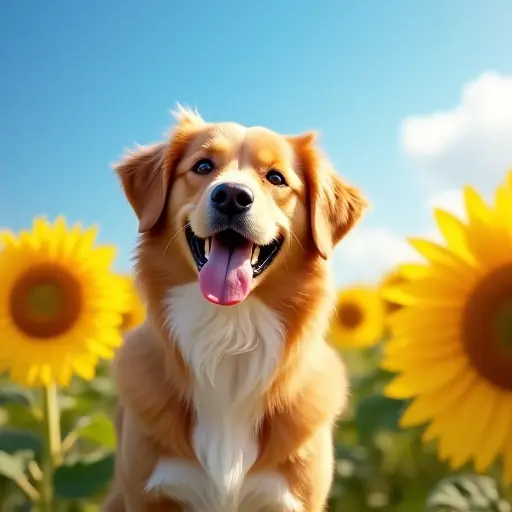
{"type": "Point", "coordinates": [146, 173]}
{"type": "Point", "coordinates": [145, 181]}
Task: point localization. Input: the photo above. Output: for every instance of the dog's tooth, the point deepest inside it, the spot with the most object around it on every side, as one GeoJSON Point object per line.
{"type": "Point", "coordinates": [255, 254]}
{"type": "Point", "coordinates": [207, 247]}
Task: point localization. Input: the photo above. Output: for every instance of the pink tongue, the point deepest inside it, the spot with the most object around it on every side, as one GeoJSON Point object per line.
{"type": "Point", "coordinates": [227, 276]}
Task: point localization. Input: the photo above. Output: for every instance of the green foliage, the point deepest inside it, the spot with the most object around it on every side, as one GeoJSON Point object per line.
{"type": "Point", "coordinates": [85, 477]}
{"type": "Point", "coordinates": [375, 413]}
{"type": "Point", "coordinates": [97, 428]}
{"type": "Point", "coordinates": [469, 493]}
{"type": "Point", "coordinates": [12, 441]}
{"type": "Point", "coordinates": [88, 440]}
{"type": "Point", "coordinates": [379, 467]}
{"type": "Point", "coordinates": [13, 465]}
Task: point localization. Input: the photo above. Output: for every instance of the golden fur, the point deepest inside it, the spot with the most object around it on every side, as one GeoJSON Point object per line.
{"type": "Point", "coordinates": [306, 392]}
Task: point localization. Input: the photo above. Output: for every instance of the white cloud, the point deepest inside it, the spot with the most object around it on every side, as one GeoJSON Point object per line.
{"type": "Point", "coordinates": [365, 254]}
{"type": "Point", "coordinates": [450, 200]}
{"type": "Point", "coordinates": [468, 144]}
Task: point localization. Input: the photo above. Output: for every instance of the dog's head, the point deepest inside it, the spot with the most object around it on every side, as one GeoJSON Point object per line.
{"type": "Point", "coordinates": [237, 205]}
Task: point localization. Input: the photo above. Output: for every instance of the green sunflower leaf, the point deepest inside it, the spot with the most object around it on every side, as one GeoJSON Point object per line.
{"type": "Point", "coordinates": [13, 395]}
{"type": "Point", "coordinates": [12, 441]}
{"type": "Point", "coordinates": [99, 429]}
{"type": "Point", "coordinates": [84, 478]}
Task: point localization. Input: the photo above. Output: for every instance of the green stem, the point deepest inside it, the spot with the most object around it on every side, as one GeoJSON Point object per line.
{"type": "Point", "coordinates": [52, 455]}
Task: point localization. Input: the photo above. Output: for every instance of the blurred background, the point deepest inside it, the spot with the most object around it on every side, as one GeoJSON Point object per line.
{"type": "Point", "coordinates": [413, 102]}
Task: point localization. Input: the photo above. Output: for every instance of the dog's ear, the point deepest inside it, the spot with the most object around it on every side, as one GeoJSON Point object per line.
{"type": "Point", "coordinates": [145, 181]}
{"type": "Point", "coordinates": [334, 205]}
{"type": "Point", "coordinates": [146, 173]}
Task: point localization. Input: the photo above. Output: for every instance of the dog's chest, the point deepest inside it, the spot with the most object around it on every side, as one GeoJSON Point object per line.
{"type": "Point", "coordinates": [225, 432]}
{"type": "Point", "coordinates": [233, 353]}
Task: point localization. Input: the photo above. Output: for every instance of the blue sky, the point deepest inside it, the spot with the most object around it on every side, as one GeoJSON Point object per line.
{"type": "Point", "coordinates": [82, 81]}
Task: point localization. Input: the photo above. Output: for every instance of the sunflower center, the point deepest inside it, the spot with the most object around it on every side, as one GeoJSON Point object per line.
{"type": "Point", "coordinates": [45, 299]}
{"type": "Point", "coordinates": [487, 327]}
{"type": "Point", "coordinates": [45, 302]}
{"type": "Point", "coordinates": [503, 324]}
{"type": "Point", "coordinates": [350, 315]}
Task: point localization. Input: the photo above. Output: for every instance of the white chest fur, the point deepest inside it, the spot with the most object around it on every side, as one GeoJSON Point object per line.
{"type": "Point", "coordinates": [233, 352]}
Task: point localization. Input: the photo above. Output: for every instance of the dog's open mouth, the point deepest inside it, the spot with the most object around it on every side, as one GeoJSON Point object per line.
{"type": "Point", "coordinates": [228, 262]}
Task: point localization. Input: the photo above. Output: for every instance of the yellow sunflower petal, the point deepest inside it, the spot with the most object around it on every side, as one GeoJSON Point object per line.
{"type": "Point", "coordinates": [99, 349]}
{"type": "Point", "coordinates": [504, 205]}
{"type": "Point", "coordinates": [424, 407]}
{"type": "Point", "coordinates": [84, 368]}
{"type": "Point", "coordinates": [421, 292]}
{"type": "Point", "coordinates": [411, 271]}
{"type": "Point", "coordinates": [454, 234]}
{"type": "Point", "coordinates": [8, 238]}
{"type": "Point", "coordinates": [426, 322]}
{"type": "Point", "coordinates": [433, 431]}
{"type": "Point", "coordinates": [443, 257]}
{"type": "Point", "coordinates": [483, 397]}
{"type": "Point", "coordinates": [497, 433]}
{"type": "Point", "coordinates": [64, 374]}
{"type": "Point", "coordinates": [400, 358]}
{"type": "Point", "coordinates": [484, 232]}
{"type": "Point", "coordinates": [476, 208]}
{"type": "Point", "coordinates": [425, 380]}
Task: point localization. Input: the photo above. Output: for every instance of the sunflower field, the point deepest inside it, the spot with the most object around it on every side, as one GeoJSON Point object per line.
{"type": "Point", "coordinates": [428, 350]}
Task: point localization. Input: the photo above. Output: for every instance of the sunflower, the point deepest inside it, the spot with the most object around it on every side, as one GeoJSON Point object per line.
{"type": "Point", "coordinates": [60, 304]}
{"type": "Point", "coordinates": [452, 340]}
{"type": "Point", "coordinates": [135, 313]}
{"type": "Point", "coordinates": [358, 318]}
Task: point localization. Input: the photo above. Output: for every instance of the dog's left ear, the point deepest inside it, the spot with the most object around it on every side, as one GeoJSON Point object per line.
{"type": "Point", "coordinates": [334, 205]}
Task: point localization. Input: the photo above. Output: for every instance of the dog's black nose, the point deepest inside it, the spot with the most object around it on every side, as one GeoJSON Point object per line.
{"type": "Point", "coordinates": [232, 198]}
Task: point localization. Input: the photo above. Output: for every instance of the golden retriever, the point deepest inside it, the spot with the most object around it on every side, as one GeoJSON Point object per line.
{"type": "Point", "coordinates": [228, 392]}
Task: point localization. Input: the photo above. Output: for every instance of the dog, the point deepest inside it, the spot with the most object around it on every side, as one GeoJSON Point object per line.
{"type": "Point", "coordinates": [228, 392]}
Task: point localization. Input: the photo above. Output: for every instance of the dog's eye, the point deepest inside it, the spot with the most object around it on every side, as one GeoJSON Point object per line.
{"type": "Point", "coordinates": [276, 178]}
{"type": "Point", "coordinates": [203, 166]}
